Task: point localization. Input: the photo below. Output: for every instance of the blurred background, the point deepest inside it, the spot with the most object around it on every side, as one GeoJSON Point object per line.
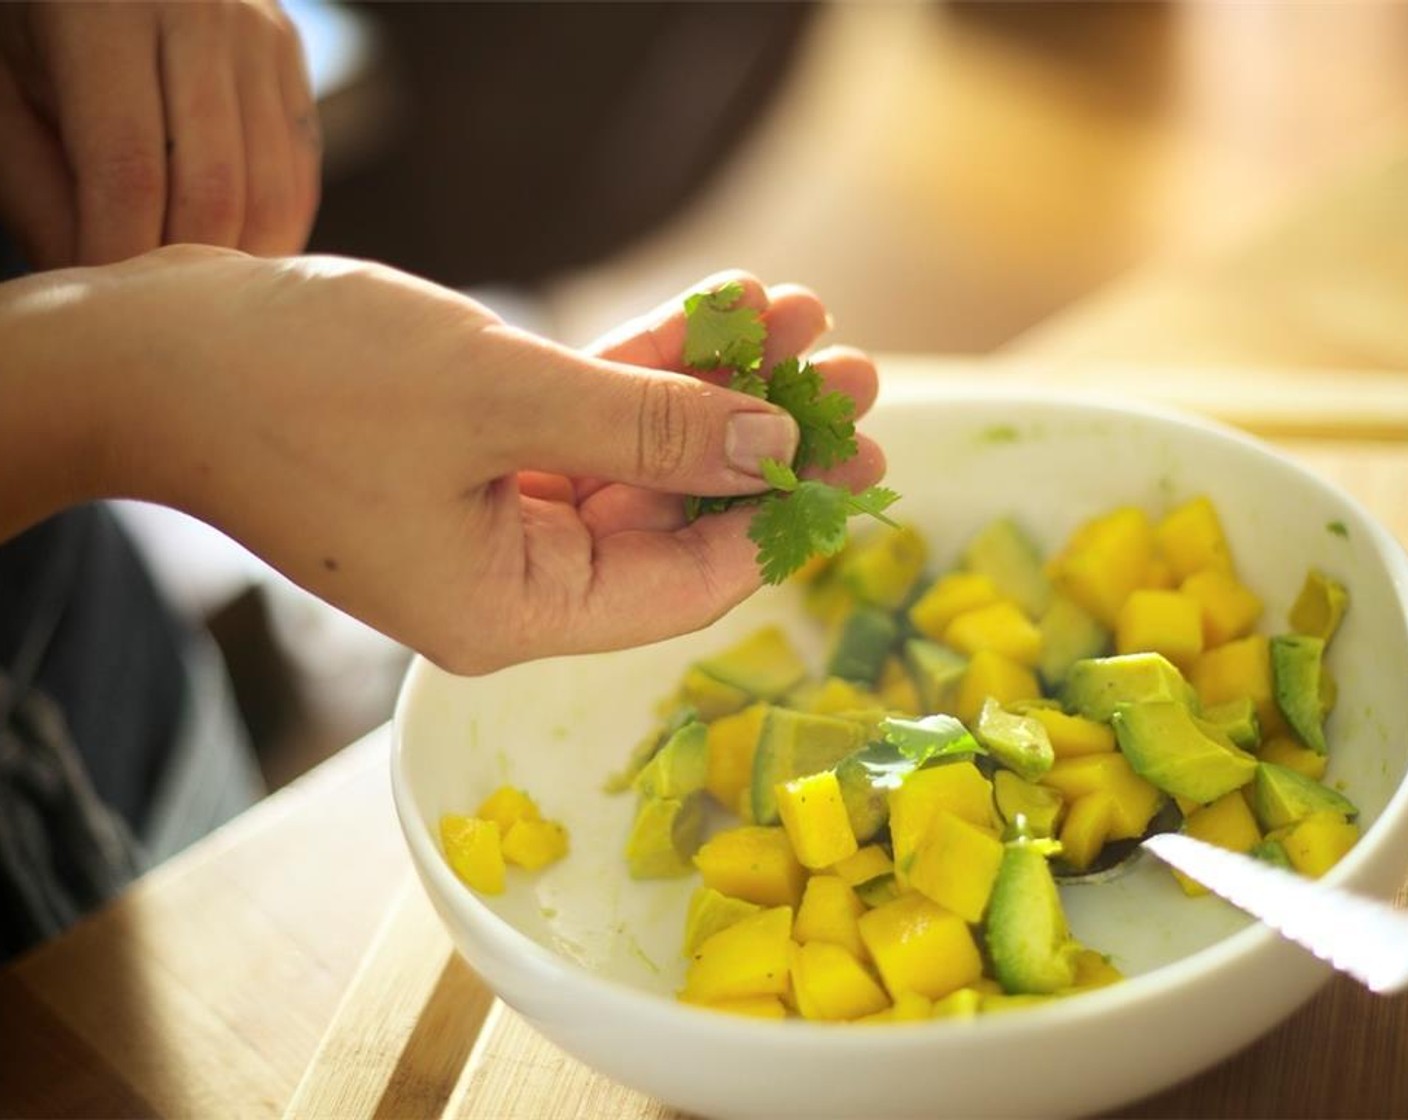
{"type": "Point", "coordinates": [957, 178]}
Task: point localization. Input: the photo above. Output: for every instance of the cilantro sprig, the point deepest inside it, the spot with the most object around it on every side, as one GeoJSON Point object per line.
{"type": "Point", "coordinates": [797, 518]}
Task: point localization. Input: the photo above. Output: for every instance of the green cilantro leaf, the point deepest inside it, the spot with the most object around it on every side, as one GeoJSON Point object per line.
{"type": "Point", "coordinates": [789, 528]}
{"type": "Point", "coordinates": [826, 420]}
{"type": "Point", "coordinates": [719, 333]}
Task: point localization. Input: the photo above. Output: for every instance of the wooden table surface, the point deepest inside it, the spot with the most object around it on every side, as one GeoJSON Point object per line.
{"type": "Point", "coordinates": [208, 988]}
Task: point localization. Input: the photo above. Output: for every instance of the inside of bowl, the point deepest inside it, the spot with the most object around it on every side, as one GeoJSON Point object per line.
{"type": "Point", "coordinates": [559, 728]}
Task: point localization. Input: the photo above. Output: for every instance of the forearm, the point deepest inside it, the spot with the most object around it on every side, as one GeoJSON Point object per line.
{"type": "Point", "coordinates": [51, 424]}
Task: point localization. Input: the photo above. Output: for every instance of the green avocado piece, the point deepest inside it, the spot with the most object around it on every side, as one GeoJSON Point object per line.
{"type": "Point", "coordinates": [879, 890]}
{"type": "Point", "coordinates": [1096, 686]}
{"type": "Point", "coordinates": [1282, 797]}
{"type": "Point", "coordinates": [936, 670]}
{"type": "Point", "coordinates": [1320, 606]}
{"type": "Point", "coordinates": [664, 836]}
{"type": "Point", "coordinates": [1296, 669]}
{"type": "Point", "coordinates": [1028, 939]}
{"type": "Point", "coordinates": [1272, 851]}
{"type": "Point", "coordinates": [710, 911]}
{"type": "Point", "coordinates": [1004, 553]}
{"type": "Point", "coordinates": [765, 665]}
{"type": "Point", "coordinates": [1018, 742]}
{"type": "Point", "coordinates": [794, 744]}
{"type": "Point", "coordinates": [1167, 747]}
{"type": "Point", "coordinates": [680, 767]}
{"type": "Point", "coordinates": [1236, 719]}
{"type": "Point", "coordinates": [866, 638]}
{"type": "Point", "coordinates": [711, 697]}
{"type": "Point", "coordinates": [1028, 809]}
{"type": "Point", "coordinates": [1069, 633]}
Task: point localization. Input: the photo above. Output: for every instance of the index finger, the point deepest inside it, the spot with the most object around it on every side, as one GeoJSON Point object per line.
{"type": "Point", "coordinates": [106, 69]}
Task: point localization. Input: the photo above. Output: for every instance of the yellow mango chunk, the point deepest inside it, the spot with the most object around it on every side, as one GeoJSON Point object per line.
{"type": "Point", "coordinates": [1133, 800]}
{"type": "Point", "coordinates": [746, 960]}
{"type": "Point", "coordinates": [473, 848]}
{"type": "Point", "coordinates": [534, 844]}
{"type": "Point", "coordinates": [1160, 575]}
{"type": "Point", "coordinates": [864, 865]}
{"type": "Point", "coordinates": [955, 865]}
{"type": "Point", "coordinates": [755, 863]}
{"type": "Point", "coordinates": [949, 596]}
{"type": "Point", "coordinates": [957, 787]}
{"type": "Point", "coordinates": [1072, 736]}
{"type": "Point", "coordinates": [990, 674]}
{"type": "Point", "coordinates": [1229, 608]}
{"type": "Point", "coordinates": [962, 1004]}
{"type": "Point", "coordinates": [918, 946]}
{"type": "Point", "coordinates": [815, 819]}
{"type": "Point", "coordinates": [506, 806]}
{"type": "Point", "coordinates": [896, 688]}
{"type": "Point", "coordinates": [1106, 558]}
{"type": "Point", "coordinates": [1086, 827]}
{"type": "Point", "coordinates": [1190, 538]}
{"type": "Point", "coordinates": [1319, 607]}
{"type": "Point", "coordinates": [830, 984]}
{"type": "Point", "coordinates": [999, 626]}
{"type": "Point", "coordinates": [1318, 842]}
{"type": "Point", "coordinates": [1240, 668]}
{"type": "Point", "coordinates": [829, 912]}
{"type": "Point", "coordinates": [1166, 622]}
{"type": "Point", "coordinates": [708, 912]}
{"type": "Point", "coordinates": [1287, 751]}
{"type": "Point", "coordinates": [1227, 822]}
{"type": "Point", "coordinates": [1094, 970]}
{"type": "Point", "coordinates": [752, 1007]}
{"type": "Point", "coordinates": [835, 695]}
{"type": "Point", "coordinates": [732, 741]}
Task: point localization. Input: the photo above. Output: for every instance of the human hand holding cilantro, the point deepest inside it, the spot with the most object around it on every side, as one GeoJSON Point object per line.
{"type": "Point", "coordinates": [480, 494]}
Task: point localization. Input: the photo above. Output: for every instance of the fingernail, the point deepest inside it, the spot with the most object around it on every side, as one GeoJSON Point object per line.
{"type": "Point", "coordinates": [754, 436]}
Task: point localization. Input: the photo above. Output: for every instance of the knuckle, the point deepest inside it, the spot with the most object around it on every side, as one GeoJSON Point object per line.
{"type": "Point", "coordinates": [211, 198]}
{"type": "Point", "coordinates": [130, 177]}
{"type": "Point", "coordinates": [663, 432]}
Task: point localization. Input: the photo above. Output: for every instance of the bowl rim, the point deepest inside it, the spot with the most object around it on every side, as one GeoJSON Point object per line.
{"type": "Point", "coordinates": [659, 1010]}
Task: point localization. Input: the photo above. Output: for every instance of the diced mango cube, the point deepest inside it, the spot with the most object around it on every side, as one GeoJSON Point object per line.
{"type": "Point", "coordinates": [1094, 970]}
{"type": "Point", "coordinates": [955, 864]}
{"type": "Point", "coordinates": [1318, 842]}
{"type": "Point", "coordinates": [1229, 608]}
{"type": "Point", "coordinates": [507, 805]}
{"type": "Point", "coordinates": [732, 741]}
{"type": "Point", "coordinates": [473, 848]}
{"type": "Point", "coordinates": [1236, 669]}
{"type": "Point", "coordinates": [964, 1003]}
{"type": "Point", "coordinates": [958, 787]}
{"type": "Point", "coordinates": [1166, 622]}
{"type": "Point", "coordinates": [815, 818]}
{"type": "Point", "coordinates": [896, 688]}
{"type": "Point", "coordinates": [836, 695]}
{"type": "Point", "coordinates": [1134, 801]}
{"type": "Point", "coordinates": [999, 626]}
{"type": "Point", "coordinates": [830, 984]}
{"type": "Point", "coordinates": [1160, 575]}
{"type": "Point", "coordinates": [534, 844]}
{"type": "Point", "coordinates": [918, 946]}
{"type": "Point", "coordinates": [948, 597]}
{"type": "Point", "coordinates": [755, 863]}
{"type": "Point", "coordinates": [1227, 822]}
{"type": "Point", "coordinates": [1190, 538]}
{"type": "Point", "coordinates": [864, 865]}
{"type": "Point", "coordinates": [1287, 751]}
{"type": "Point", "coordinates": [829, 912]}
{"type": "Point", "coordinates": [990, 674]}
{"type": "Point", "coordinates": [748, 959]}
{"type": "Point", "coordinates": [708, 912]}
{"type": "Point", "coordinates": [1106, 559]}
{"type": "Point", "coordinates": [1072, 736]}
{"type": "Point", "coordinates": [1089, 819]}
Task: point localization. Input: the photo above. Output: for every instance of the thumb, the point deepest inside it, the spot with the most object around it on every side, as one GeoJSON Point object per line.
{"type": "Point", "coordinates": [568, 413]}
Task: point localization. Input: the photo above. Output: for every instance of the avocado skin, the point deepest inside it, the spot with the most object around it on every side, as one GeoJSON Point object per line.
{"type": "Point", "coordinates": [1297, 662]}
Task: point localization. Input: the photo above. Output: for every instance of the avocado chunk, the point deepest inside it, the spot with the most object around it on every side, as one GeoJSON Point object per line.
{"type": "Point", "coordinates": [1018, 742]}
{"type": "Point", "coordinates": [794, 744]}
{"type": "Point", "coordinates": [1029, 941]}
{"type": "Point", "coordinates": [1236, 719]}
{"type": "Point", "coordinates": [710, 911]}
{"type": "Point", "coordinates": [1282, 796]}
{"type": "Point", "coordinates": [1069, 633]}
{"type": "Point", "coordinates": [680, 767]}
{"type": "Point", "coordinates": [1028, 809]}
{"type": "Point", "coordinates": [1320, 606]}
{"type": "Point", "coordinates": [711, 697]}
{"type": "Point", "coordinates": [646, 748]}
{"type": "Point", "coordinates": [882, 570]}
{"type": "Point", "coordinates": [1296, 669]}
{"type": "Point", "coordinates": [1271, 851]}
{"type": "Point", "coordinates": [936, 670]}
{"type": "Point", "coordinates": [664, 836]}
{"type": "Point", "coordinates": [866, 639]}
{"type": "Point", "coordinates": [1167, 747]}
{"type": "Point", "coordinates": [765, 665]}
{"type": "Point", "coordinates": [867, 775]}
{"type": "Point", "coordinates": [1004, 553]}
{"type": "Point", "coordinates": [879, 890]}
{"type": "Point", "coordinates": [1096, 686]}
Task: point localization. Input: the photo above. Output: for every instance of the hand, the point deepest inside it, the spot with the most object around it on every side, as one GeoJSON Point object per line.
{"type": "Point", "coordinates": [129, 125]}
{"type": "Point", "coordinates": [480, 494]}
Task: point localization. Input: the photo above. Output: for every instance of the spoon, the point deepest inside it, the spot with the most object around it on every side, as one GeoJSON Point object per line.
{"type": "Point", "coordinates": [1364, 937]}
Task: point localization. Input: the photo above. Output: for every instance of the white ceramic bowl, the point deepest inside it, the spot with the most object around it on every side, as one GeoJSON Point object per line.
{"type": "Point", "coordinates": [592, 958]}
